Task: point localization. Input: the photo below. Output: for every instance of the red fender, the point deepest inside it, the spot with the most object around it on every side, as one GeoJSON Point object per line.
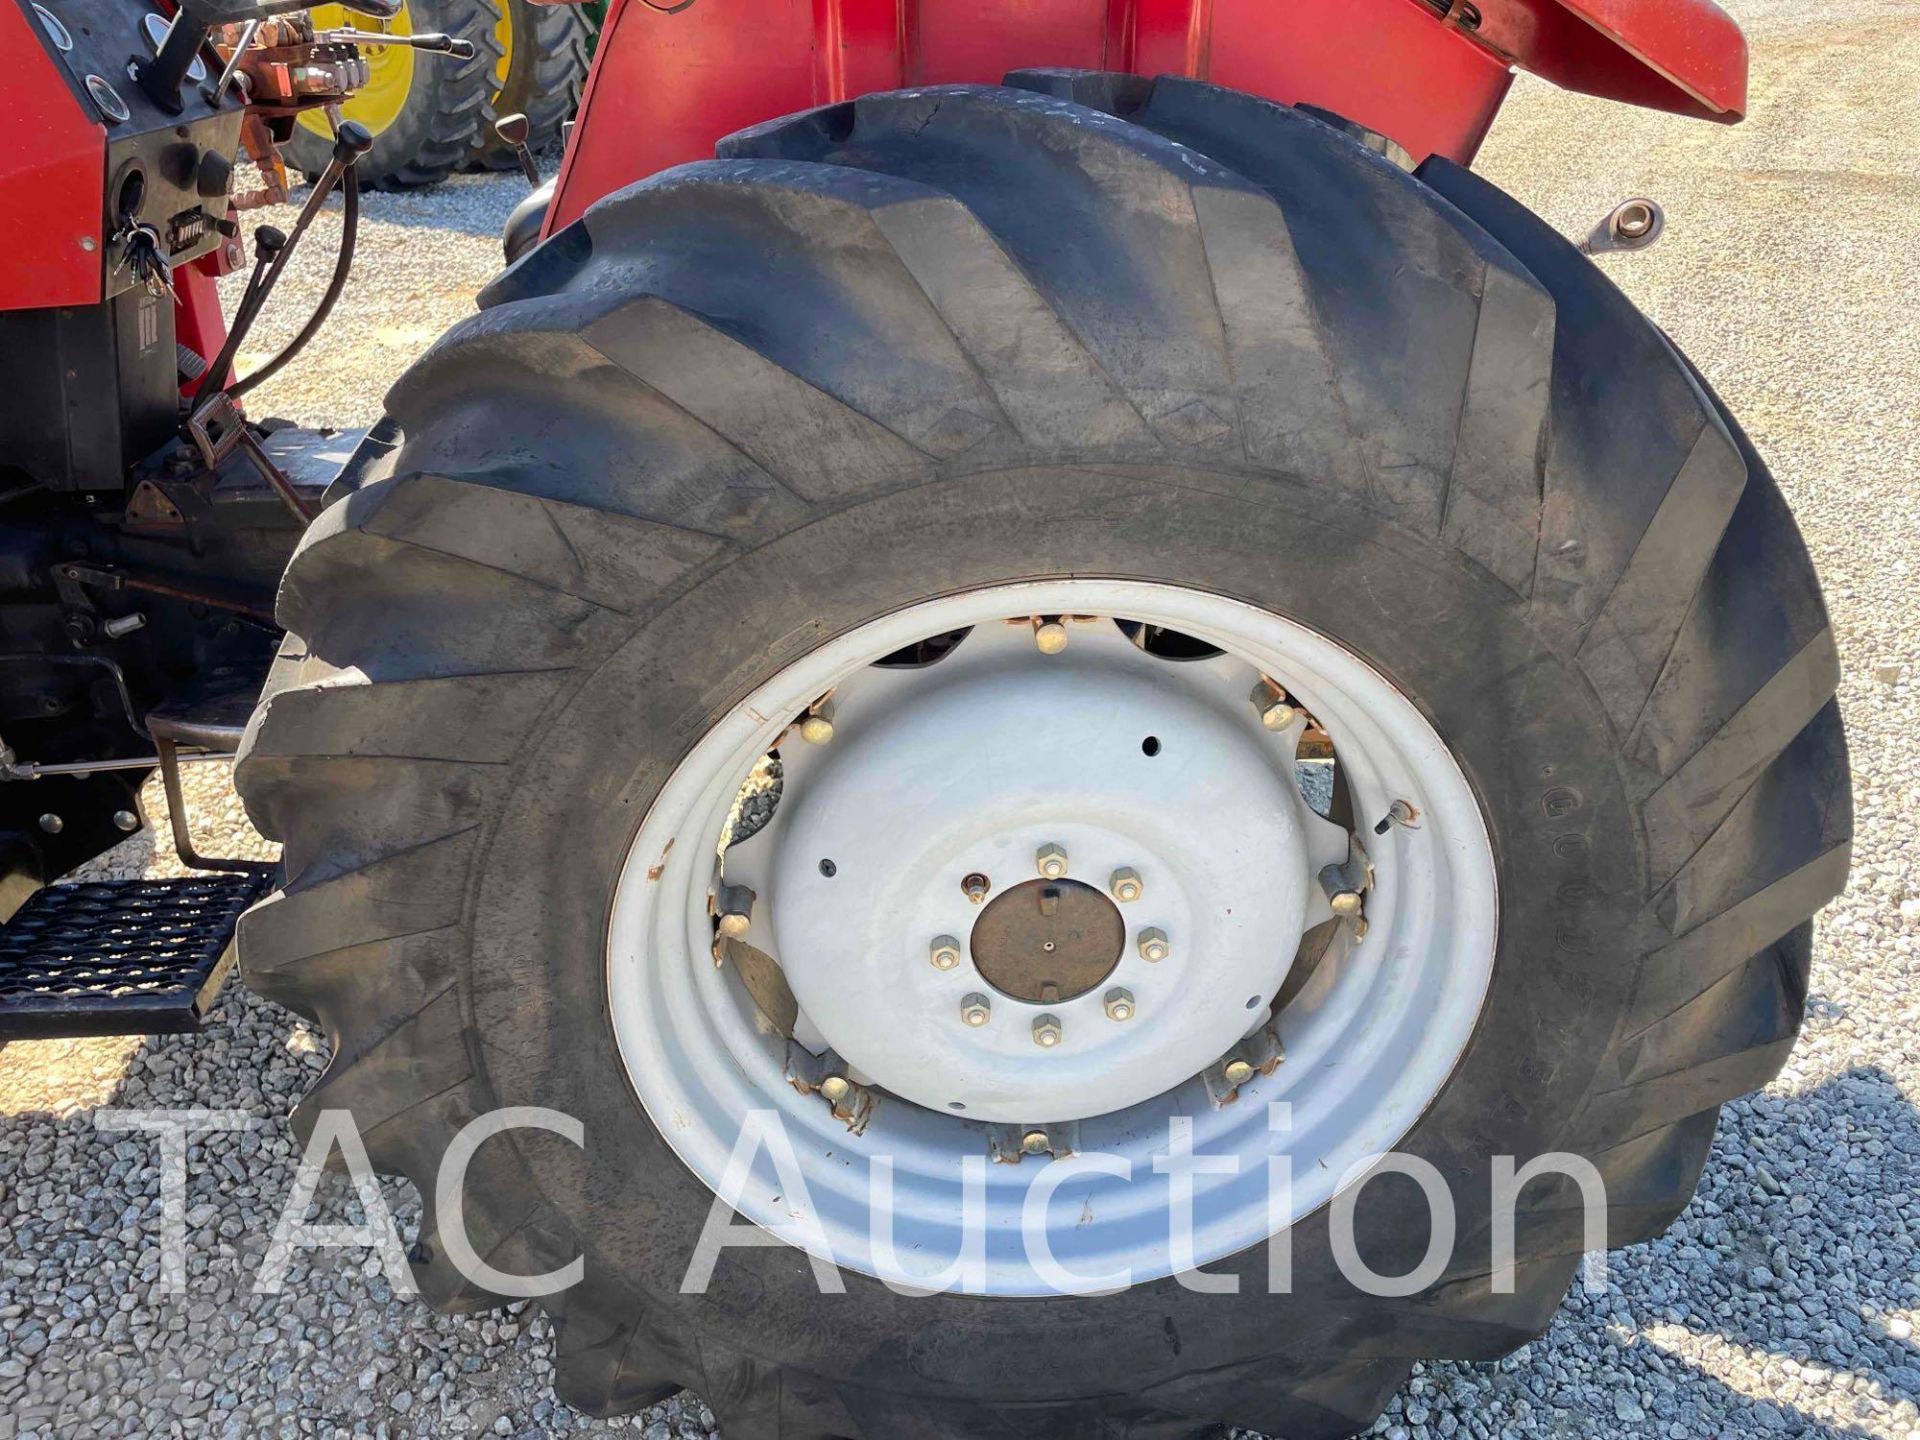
{"type": "Point", "coordinates": [669, 79]}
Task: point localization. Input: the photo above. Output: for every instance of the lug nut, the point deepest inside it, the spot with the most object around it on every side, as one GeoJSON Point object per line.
{"type": "Point", "coordinates": [126, 821]}
{"type": "Point", "coordinates": [1153, 944]}
{"type": "Point", "coordinates": [817, 728]}
{"type": "Point", "coordinates": [1125, 884]}
{"type": "Point", "coordinates": [975, 1011]}
{"type": "Point", "coordinates": [1035, 1142]}
{"type": "Point", "coordinates": [1047, 1032]}
{"type": "Point", "coordinates": [976, 886]}
{"type": "Point", "coordinates": [1052, 861]}
{"type": "Point", "coordinates": [1238, 1072]}
{"type": "Point", "coordinates": [52, 823]}
{"type": "Point", "coordinates": [945, 952]}
{"type": "Point", "coordinates": [1119, 1004]}
{"type": "Point", "coordinates": [836, 1088]}
{"type": "Point", "coordinates": [1346, 902]}
{"type": "Point", "coordinates": [1271, 701]}
{"type": "Point", "coordinates": [1049, 635]}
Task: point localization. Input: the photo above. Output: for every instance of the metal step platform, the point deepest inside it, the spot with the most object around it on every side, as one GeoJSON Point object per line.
{"type": "Point", "coordinates": [121, 957]}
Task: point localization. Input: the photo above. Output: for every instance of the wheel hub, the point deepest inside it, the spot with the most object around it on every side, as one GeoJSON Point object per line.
{"type": "Point", "coordinates": [1170, 808]}
{"type": "Point", "coordinates": [1045, 941]}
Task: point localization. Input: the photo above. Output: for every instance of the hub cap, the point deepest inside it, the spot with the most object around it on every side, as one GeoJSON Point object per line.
{"type": "Point", "coordinates": [1030, 887]}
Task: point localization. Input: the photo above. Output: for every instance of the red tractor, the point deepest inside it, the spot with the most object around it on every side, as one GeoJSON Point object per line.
{"type": "Point", "coordinates": [1120, 703]}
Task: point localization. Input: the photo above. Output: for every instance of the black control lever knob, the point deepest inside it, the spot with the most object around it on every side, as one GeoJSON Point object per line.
{"type": "Point", "coordinates": [269, 241]}
{"type": "Point", "coordinates": [353, 141]}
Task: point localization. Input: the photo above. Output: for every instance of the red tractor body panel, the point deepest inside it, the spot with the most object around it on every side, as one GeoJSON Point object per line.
{"type": "Point", "coordinates": [52, 180]}
{"type": "Point", "coordinates": [667, 83]}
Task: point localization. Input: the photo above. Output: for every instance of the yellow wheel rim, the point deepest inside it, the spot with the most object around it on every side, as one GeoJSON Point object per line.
{"type": "Point", "coordinates": [503, 35]}
{"type": "Point", "coordinates": [389, 72]}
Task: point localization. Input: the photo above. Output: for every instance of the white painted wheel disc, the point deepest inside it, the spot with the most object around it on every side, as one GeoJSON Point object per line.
{"type": "Point", "coordinates": [966, 767]}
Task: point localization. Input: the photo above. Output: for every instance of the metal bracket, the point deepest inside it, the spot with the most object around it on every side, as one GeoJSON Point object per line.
{"type": "Point", "coordinates": [1261, 1053]}
{"type": "Point", "coordinates": [169, 756]}
{"type": "Point", "coordinates": [1010, 1144]}
{"type": "Point", "coordinates": [825, 1075]}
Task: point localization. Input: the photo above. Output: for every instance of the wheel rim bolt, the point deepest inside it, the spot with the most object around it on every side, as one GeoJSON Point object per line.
{"type": "Point", "coordinates": [1125, 884]}
{"type": "Point", "coordinates": [836, 1088]}
{"type": "Point", "coordinates": [975, 1011]}
{"type": "Point", "coordinates": [817, 728]}
{"type": "Point", "coordinates": [126, 820]}
{"type": "Point", "coordinates": [1051, 860]}
{"type": "Point", "coordinates": [1119, 1004]}
{"type": "Point", "coordinates": [1049, 635]}
{"type": "Point", "coordinates": [945, 952]}
{"type": "Point", "coordinates": [1153, 944]}
{"type": "Point", "coordinates": [1238, 1072]}
{"type": "Point", "coordinates": [1035, 1142]}
{"type": "Point", "coordinates": [1346, 903]}
{"type": "Point", "coordinates": [1047, 1032]}
{"type": "Point", "coordinates": [976, 886]}
{"type": "Point", "coordinates": [1271, 703]}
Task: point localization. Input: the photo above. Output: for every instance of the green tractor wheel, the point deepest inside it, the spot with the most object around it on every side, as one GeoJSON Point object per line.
{"type": "Point", "coordinates": [431, 114]}
{"type": "Point", "coordinates": [545, 51]}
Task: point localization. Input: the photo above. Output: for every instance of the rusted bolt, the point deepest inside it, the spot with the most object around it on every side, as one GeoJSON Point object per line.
{"type": "Point", "coordinates": [1238, 1072]}
{"type": "Point", "coordinates": [1051, 861]}
{"type": "Point", "coordinates": [1035, 1142]}
{"type": "Point", "coordinates": [944, 952]}
{"type": "Point", "coordinates": [1047, 1032]}
{"type": "Point", "coordinates": [1346, 903]}
{"type": "Point", "coordinates": [1049, 635]}
{"type": "Point", "coordinates": [1119, 1004]}
{"type": "Point", "coordinates": [1153, 944]}
{"type": "Point", "coordinates": [836, 1088]}
{"type": "Point", "coordinates": [976, 886]}
{"type": "Point", "coordinates": [975, 1011]}
{"type": "Point", "coordinates": [1125, 884]}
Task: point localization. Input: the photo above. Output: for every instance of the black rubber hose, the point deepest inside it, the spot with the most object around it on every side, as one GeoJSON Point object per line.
{"type": "Point", "coordinates": [349, 228]}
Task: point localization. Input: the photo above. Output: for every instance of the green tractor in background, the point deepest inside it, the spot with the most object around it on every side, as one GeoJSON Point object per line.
{"type": "Point", "coordinates": [433, 115]}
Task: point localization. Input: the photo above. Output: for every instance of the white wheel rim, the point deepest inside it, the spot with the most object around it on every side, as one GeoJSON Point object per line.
{"type": "Point", "coordinates": [1369, 1042]}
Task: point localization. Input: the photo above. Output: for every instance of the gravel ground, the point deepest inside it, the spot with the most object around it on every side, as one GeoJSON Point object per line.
{"type": "Point", "coordinates": [1785, 1300]}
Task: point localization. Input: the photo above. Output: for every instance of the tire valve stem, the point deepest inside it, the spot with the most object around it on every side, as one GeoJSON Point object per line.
{"type": "Point", "coordinates": [1398, 813]}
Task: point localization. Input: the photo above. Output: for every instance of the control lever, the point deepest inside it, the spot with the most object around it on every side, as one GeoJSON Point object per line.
{"type": "Point", "coordinates": [430, 41]}
{"type": "Point", "coordinates": [354, 140]}
{"type": "Point", "coordinates": [513, 130]}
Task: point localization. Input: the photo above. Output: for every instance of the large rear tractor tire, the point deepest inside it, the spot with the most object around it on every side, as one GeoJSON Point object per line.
{"type": "Point", "coordinates": [825, 447]}
{"type": "Point", "coordinates": [428, 114]}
